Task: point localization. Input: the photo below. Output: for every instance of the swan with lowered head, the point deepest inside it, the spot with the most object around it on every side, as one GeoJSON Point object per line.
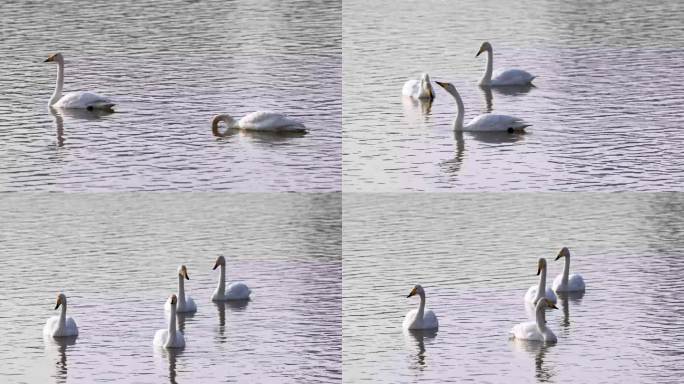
{"type": "Point", "coordinates": [62, 325]}
{"type": "Point", "coordinates": [185, 302]}
{"type": "Point", "coordinates": [260, 121]}
{"type": "Point", "coordinates": [235, 291]}
{"type": "Point", "coordinates": [565, 282]}
{"type": "Point", "coordinates": [484, 123]}
{"type": "Point", "coordinates": [536, 330]}
{"type": "Point", "coordinates": [536, 292]}
{"type": "Point", "coordinates": [503, 77]}
{"type": "Point", "coordinates": [171, 337]}
{"type": "Point", "coordinates": [419, 89]}
{"type": "Point", "coordinates": [420, 318]}
{"type": "Point", "coordinates": [74, 100]}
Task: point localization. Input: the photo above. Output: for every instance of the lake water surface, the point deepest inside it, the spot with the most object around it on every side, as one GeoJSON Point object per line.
{"type": "Point", "coordinates": [476, 255]}
{"type": "Point", "coordinates": [116, 255]}
{"type": "Point", "coordinates": [606, 112]}
{"type": "Point", "coordinates": [170, 67]}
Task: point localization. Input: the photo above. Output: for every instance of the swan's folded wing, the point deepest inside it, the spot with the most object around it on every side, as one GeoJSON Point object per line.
{"type": "Point", "coordinates": [512, 76]}
{"type": "Point", "coordinates": [268, 121]}
{"type": "Point", "coordinates": [84, 100]}
{"type": "Point", "coordinates": [411, 88]}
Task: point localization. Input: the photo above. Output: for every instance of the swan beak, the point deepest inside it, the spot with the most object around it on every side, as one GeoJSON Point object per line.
{"type": "Point", "coordinates": [559, 256]}
{"type": "Point", "coordinates": [215, 266]}
{"type": "Point", "coordinates": [539, 270]}
{"type": "Point", "coordinates": [413, 292]}
{"type": "Point", "coordinates": [479, 52]}
{"type": "Point", "coordinates": [49, 59]}
{"type": "Point", "coordinates": [552, 305]}
{"type": "Point", "coordinates": [443, 85]}
{"type": "Point", "coordinates": [186, 275]}
{"type": "Point", "coordinates": [59, 302]}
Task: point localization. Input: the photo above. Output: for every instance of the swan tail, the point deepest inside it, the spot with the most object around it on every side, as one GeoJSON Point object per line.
{"type": "Point", "coordinates": [102, 106]}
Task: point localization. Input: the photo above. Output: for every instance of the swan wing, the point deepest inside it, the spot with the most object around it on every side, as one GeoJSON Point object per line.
{"type": "Point", "coordinates": [84, 100]}
{"type": "Point", "coordinates": [160, 337]}
{"type": "Point", "coordinates": [430, 320]}
{"type": "Point", "coordinates": [575, 282]}
{"type": "Point", "coordinates": [489, 122]}
{"type": "Point", "coordinates": [71, 327]}
{"type": "Point", "coordinates": [527, 331]}
{"type": "Point", "coordinates": [270, 121]}
{"type": "Point", "coordinates": [50, 325]}
{"type": "Point", "coordinates": [237, 291]}
{"type": "Point", "coordinates": [512, 77]}
{"type": "Point", "coordinates": [409, 319]}
{"type": "Point", "coordinates": [531, 294]}
{"type": "Point", "coordinates": [190, 305]}
{"type": "Point", "coordinates": [411, 88]}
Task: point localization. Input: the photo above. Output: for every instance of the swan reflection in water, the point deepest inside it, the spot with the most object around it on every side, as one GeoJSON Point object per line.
{"type": "Point", "coordinates": [80, 114]}
{"type": "Point", "coordinates": [453, 166]}
{"type": "Point", "coordinates": [565, 299]}
{"type": "Point", "coordinates": [169, 356]}
{"type": "Point", "coordinates": [415, 109]}
{"type": "Point", "coordinates": [511, 90]}
{"type": "Point", "coordinates": [233, 305]}
{"type": "Point", "coordinates": [538, 350]}
{"type": "Point", "coordinates": [417, 338]}
{"type": "Point", "coordinates": [59, 345]}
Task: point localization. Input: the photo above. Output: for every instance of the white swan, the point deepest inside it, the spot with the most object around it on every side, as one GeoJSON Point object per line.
{"type": "Point", "coordinates": [565, 282]}
{"type": "Point", "coordinates": [170, 338]}
{"type": "Point", "coordinates": [235, 291]}
{"type": "Point", "coordinates": [502, 77]}
{"type": "Point", "coordinates": [62, 325]}
{"type": "Point", "coordinates": [74, 100]}
{"type": "Point", "coordinates": [483, 123]}
{"type": "Point", "coordinates": [419, 89]}
{"type": "Point", "coordinates": [536, 330]}
{"type": "Point", "coordinates": [261, 121]}
{"type": "Point", "coordinates": [536, 292]}
{"type": "Point", "coordinates": [420, 318]}
{"type": "Point", "coordinates": [185, 302]}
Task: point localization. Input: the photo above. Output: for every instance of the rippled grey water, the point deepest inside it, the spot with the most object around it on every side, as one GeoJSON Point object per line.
{"type": "Point", "coordinates": [606, 110]}
{"type": "Point", "coordinates": [116, 255]}
{"type": "Point", "coordinates": [475, 254]}
{"type": "Point", "coordinates": [170, 67]}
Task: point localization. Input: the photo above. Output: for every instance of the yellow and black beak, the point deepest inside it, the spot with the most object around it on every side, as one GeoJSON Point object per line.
{"type": "Point", "coordinates": [443, 85]}
{"type": "Point", "coordinates": [551, 305]}
{"type": "Point", "coordinates": [186, 275]}
{"type": "Point", "coordinates": [59, 302]}
{"type": "Point", "coordinates": [215, 265]}
{"type": "Point", "coordinates": [482, 49]}
{"type": "Point", "coordinates": [559, 256]}
{"type": "Point", "coordinates": [539, 269]}
{"type": "Point", "coordinates": [174, 300]}
{"type": "Point", "coordinates": [413, 292]}
{"type": "Point", "coordinates": [49, 59]}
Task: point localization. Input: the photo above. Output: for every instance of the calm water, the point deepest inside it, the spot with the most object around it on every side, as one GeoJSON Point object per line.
{"type": "Point", "coordinates": [476, 254]}
{"type": "Point", "coordinates": [170, 67]}
{"type": "Point", "coordinates": [606, 110]}
{"type": "Point", "coordinates": [116, 255]}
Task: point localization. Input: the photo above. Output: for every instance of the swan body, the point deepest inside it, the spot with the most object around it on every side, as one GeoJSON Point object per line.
{"type": "Point", "coordinates": [235, 291]}
{"type": "Point", "coordinates": [62, 325]}
{"type": "Point", "coordinates": [566, 282]}
{"type": "Point", "coordinates": [171, 337]}
{"type": "Point", "coordinates": [258, 121]}
{"type": "Point", "coordinates": [74, 100]}
{"type": "Point", "coordinates": [536, 330]}
{"type": "Point", "coordinates": [483, 123]}
{"type": "Point", "coordinates": [419, 89]}
{"type": "Point", "coordinates": [185, 302]}
{"type": "Point", "coordinates": [501, 78]}
{"type": "Point", "coordinates": [420, 318]}
{"type": "Point", "coordinates": [536, 292]}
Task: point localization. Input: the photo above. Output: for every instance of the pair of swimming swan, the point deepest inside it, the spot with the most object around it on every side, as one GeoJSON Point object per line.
{"type": "Point", "coordinates": [262, 121]}
{"type": "Point", "coordinates": [422, 90]}
{"type": "Point", "coordinates": [542, 297]}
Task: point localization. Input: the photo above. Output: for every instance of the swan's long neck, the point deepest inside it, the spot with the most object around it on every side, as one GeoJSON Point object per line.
{"type": "Point", "coordinates": [230, 124]}
{"type": "Point", "coordinates": [421, 306]}
{"type": "Point", "coordinates": [62, 315]}
{"type": "Point", "coordinates": [60, 83]}
{"type": "Point", "coordinates": [460, 109]}
{"type": "Point", "coordinates": [172, 323]}
{"type": "Point", "coordinates": [487, 77]}
{"type": "Point", "coordinates": [181, 289]}
{"type": "Point", "coordinates": [566, 270]}
{"type": "Point", "coordinates": [541, 290]}
{"type": "Point", "coordinates": [222, 280]}
{"type": "Point", "coordinates": [540, 318]}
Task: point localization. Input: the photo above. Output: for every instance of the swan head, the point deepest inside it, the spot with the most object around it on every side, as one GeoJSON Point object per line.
{"type": "Point", "coordinates": [230, 123]}
{"type": "Point", "coordinates": [565, 252]}
{"type": "Point", "coordinates": [545, 303]}
{"type": "Point", "coordinates": [220, 261]}
{"type": "Point", "coordinates": [447, 87]}
{"type": "Point", "coordinates": [174, 299]}
{"type": "Point", "coordinates": [61, 300]}
{"type": "Point", "coordinates": [417, 290]}
{"type": "Point", "coordinates": [55, 57]}
{"type": "Point", "coordinates": [183, 271]}
{"type": "Point", "coordinates": [425, 85]}
{"type": "Point", "coordinates": [484, 48]}
{"type": "Point", "coordinates": [541, 265]}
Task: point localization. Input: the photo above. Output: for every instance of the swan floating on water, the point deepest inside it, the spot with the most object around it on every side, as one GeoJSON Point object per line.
{"type": "Point", "coordinates": [185, 302]}
{"type": "Point", "coordinates": [62, 325]}
{"type": "Point", "coordinates": [484, 123]}
{"type": "Point", "coordinates": [235, 291]}
{"type": "Point", "coordinates": [502, 77]}
{"type": "Point", "coordinates": [536, 292]}
{"type": "Point", "coordinates": [419, 89]}
{"type": "Point", "coordinates": [565, 282]}
{"type": "Point", "coordinates": [420, 318]}
{"type": "Point", "coordinates": [261, 121]}
{"type": "Point", "coordinates": [170, 338]}
{"type": "Point", "coordinates": [536, 330]}
{"type": "Point", "coordinates": [74, 100]}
